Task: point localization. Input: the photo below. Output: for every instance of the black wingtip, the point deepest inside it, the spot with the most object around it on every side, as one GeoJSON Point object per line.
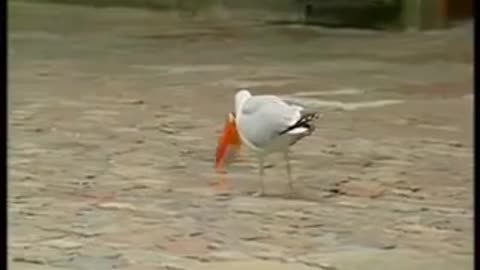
{"type": "Point", "coordinates": [304, 121]}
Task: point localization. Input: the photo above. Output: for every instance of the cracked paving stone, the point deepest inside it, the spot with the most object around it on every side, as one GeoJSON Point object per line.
{"type": "Point", "coordinates": [63, 244]}
{"type": "Point", "coordinates": [29, 266]}
{"type": "Point", "coordinates": [378, 259]}
{"type": "Point", "coordinates": [116, 206]}
{"type": "Point", "coordinates": [253, 265]}
{"type": "Point", "coordinates": [362, 189]}
{"type": "Point", "coordinates": [228, 255]}
{"type": "Point", "coordinates": [87, 262]}
{"type": "Point", "coordinates": [187, 246]}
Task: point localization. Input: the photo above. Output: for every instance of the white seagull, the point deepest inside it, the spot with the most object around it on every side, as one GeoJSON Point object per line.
{"type": "Point", "coordinates": [265, 124]}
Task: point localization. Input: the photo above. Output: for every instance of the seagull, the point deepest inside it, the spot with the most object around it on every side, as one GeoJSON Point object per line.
{"type": "Point", "coordinates": [265, 124]}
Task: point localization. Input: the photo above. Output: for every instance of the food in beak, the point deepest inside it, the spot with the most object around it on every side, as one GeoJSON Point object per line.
{"type": "Point", "coordinates": [228, 144]}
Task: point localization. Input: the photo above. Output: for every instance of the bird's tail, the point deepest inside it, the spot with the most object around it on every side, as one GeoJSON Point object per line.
{"type": "Point", "coordinates": [305, 121]}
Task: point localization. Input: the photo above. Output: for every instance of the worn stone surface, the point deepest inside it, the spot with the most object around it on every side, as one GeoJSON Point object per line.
{"type": "Point", "coordinates": [397, 259]}
{"type": "Point", "coordinates": [255, 264]}
{"type": "Point", "coordinates": [114, 116]}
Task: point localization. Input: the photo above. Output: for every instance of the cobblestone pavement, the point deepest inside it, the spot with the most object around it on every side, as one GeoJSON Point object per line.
{"type": "Point", "coordinates": [115, 113]}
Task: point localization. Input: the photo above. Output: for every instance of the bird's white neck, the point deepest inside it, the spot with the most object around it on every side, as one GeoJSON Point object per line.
{"type": "Point", "coordinates": [240, 99]}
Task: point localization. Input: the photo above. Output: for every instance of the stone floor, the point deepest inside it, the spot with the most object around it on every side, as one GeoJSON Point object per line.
{"type": "Point", "coordinates": [115, 113]}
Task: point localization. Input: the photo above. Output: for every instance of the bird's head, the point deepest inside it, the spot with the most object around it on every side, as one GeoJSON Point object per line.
{"type": "Point", "coordinates": [240, 97]}
{"type": "Point", "coordinates": [228, 143]}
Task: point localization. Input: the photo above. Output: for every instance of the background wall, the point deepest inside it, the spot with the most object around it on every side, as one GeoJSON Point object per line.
{"type": "Point", "coordinates": [381, 14]}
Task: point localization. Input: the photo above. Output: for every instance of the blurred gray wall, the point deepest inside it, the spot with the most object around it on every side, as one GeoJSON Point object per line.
{"type": "Point", "coordinates": [287, 9]}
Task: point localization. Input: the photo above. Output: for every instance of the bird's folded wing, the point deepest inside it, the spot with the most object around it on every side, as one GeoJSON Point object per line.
{"type": "Point", "coordinates": [265, 117]}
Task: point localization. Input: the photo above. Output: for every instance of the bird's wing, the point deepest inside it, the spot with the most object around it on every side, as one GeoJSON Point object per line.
{"type": "Point", "coordinates": [263, 118]}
